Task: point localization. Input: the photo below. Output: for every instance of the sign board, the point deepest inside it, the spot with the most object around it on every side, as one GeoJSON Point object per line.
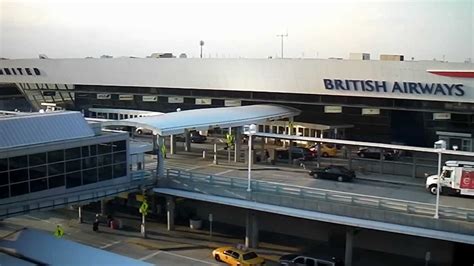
{"type": "Point", "coordinates": [203, 101]}
{"type": "Point", "coordinates": [126, 97]}
{"type": "Point", "coordinates": [149, 98]}
{"type": "Point", "coordinates": [333, 109]}
{"type": "Point", "coordinates": [175, 100]}
{"type": "Point", "coordinates": [103, 96]}
{"type": "Point", "coordinates": [230, 103]}
{"type": "Point", "coordinates": [370, 111]}
{"type": "Point", "coordinates": [467, 179]}
{"type": "Point", "coordinates": [441, 116]}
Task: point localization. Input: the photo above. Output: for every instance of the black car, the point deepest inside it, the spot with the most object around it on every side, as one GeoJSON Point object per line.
{"type": "Point", "coordinates": [195, 137]}
{"type": "Point", "coordinates": [339, 173]}
{"type": "Point", "coordinates": [300, 153]}
{"type": "Point", "coordinates": [374, 153]}
{"type": "Point", "coordinates": [309, 260]}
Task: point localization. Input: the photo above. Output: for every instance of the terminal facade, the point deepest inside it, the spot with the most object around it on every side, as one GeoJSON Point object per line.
{"type": "Point", "coordinates": [402, 102]}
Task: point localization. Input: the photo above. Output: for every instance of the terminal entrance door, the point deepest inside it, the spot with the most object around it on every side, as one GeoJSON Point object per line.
{"type": "Point", "coordinates": [407, 128]}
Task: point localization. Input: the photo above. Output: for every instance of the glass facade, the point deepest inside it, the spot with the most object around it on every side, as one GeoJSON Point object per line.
{"type": "Point", "coordinates": [70, 168]}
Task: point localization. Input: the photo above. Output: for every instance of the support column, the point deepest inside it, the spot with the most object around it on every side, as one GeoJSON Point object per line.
{"type": "Point", "coordinates": [215, 152]}
{"type": "Point", "coordinates": [228, 147]}
{"type": "Point", "coordinates": [251, 230]}
{"type": "Point", "coordinates": [160, 164]}
{"type": "Point", "coordinates": [349, 244]}
{"type": "Point", "coordinates": [290, 142]}
{"type": "Point", "coordinates": [170, 206]}
{"type": "Point", "coordinates": [187, 140]}
{"type": "Point", "coordinates": [79, 212]}
{"type": "Point", "coordinates": [103, 206]}
{"type": "Point", "coordinates": [172, 144]}
{"type": "Point", "coordinates": [238, 144]}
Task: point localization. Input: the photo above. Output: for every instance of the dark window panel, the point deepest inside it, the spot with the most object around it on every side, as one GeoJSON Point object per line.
{"type": "Point", "coordinates": [72, 166]}
{"type": "Point", "coordinates": [18, 162]}
{"type": "Point", "coordinates": [93, 150]}
{"type": "Point", "coordinates": [3, 164]}
{"type": "Point", "coordinates": [38, 172]}
{"type": "Point", "coordinates": [73, 180]}
{"type": "Point", "coordinates": [19, 189]}
{"type": "Point", "coordinates": [90, 162]}
{"type": "Point", "coordinates": [4, 192]}
{"type": "Point", "coordinates": [55, 156]}
{"type": "Point", "coordinates": [104, 148]}
{"type": "Point", "coordinates": [89, 176]}
{"type": "Point", "coordinates": [18, 175]}
{"type": "Point", "coordinates": [73, 153]}
{"type": "Point", "coordinates": [105, 173]}
{"type": "Point", "coordinates": [37, 159]}
{"type": "Point", "coordinates": [54, 169]}
{"type": "Point", "coordinates": [104, 159]}
{"type": "Point", "coordinates": [120, 170]}
{"type": "Point", "coordinates": [38, 185]}
{"type": "Point", "coordinates": [3, 178]}
{"type": "Point", "coordinates": [56, 181]}
{"type": "Point", "coordinates": [85, 151]}
{"type": "Point", "coordinates": [120, 157]}
{"type": "Point", "coordinates": [120, 145]}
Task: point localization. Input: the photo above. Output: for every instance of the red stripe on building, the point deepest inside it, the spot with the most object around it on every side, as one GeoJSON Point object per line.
{"type": "Point", "coordinates": [455, 74]}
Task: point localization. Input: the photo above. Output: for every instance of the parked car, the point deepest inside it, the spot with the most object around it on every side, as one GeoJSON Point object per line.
{"type": "Point", "coordinates": [195, 137]}
{"type": "Point", "coordinates": [142, 131]}
{"type": "Point", "coordinates": [235, 256]}
{"type": "Point", "coordinates": [309, 260]}
{"type": "Point", "coordinates": [327, 150]}
{"type": "Point", "coordinates": [339, 173]}
{"type": "Point", "coordinates": [374, 153]}
{"type": "Point", "coordinates": [303, 154]}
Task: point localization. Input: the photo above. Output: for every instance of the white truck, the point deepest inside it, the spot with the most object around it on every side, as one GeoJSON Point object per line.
{"type": "Point", "coordinates": [456, 176]}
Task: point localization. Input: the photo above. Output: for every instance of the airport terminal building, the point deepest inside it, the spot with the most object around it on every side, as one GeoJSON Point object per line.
{"type": "Point", "coordinates": [391, 101]}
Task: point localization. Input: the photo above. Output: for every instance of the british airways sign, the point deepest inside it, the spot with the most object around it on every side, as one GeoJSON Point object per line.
{"type": "Point", "coordinates": [399, 87]}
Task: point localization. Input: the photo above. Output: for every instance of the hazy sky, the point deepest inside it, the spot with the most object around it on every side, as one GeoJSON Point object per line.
{"type": "Point", "coordinates": [74, 29]}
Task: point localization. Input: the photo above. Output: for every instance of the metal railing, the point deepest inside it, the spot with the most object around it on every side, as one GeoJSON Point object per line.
{"type": "Point", "coordinates": [304, 197]}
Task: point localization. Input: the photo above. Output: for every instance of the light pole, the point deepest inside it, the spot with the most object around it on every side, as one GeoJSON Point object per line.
{"type": "Point", "coordinates": [440, 145]}
{"type": "Point", "coordinates": [201, 43]}
{"type": "Point", "coordinates": [281, 36]}
{"type": "Point", "coordinates": [250, 130]}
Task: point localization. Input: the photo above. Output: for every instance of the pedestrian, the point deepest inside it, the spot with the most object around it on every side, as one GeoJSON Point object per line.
{"type": "Point", "coordinates": [95, 224]}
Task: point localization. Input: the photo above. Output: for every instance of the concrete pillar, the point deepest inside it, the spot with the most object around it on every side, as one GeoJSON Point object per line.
{"type": "Point", "coordinates": [187, 140]}
{"type": "Point", "coordinates": [172, 144]}
{"type": "Point", "coordinates": [290, 142]}
{"type": "Point", "coordinates": [349, 155]}
{"type": "Point", "coordinates": [103, 206]}
{"type": "Point", "coordinates": [349, 244]}
{"type": "Point", "coordinates": [228, 147]}
{"type": "Point", "coordinates": [214, 161]}
{"type": "Point", "coordinates": [79, 212]}
{"type": "Point", "coordinates": [238, 144]}
{"type": "Point", "coordinates": [160, 164]}
{"type": "Point", "coordinates": [155, 142]}
{"type": "Point", "coordinates": [251, 230]}
{"type": "Point", "coordinates": [170, 206]}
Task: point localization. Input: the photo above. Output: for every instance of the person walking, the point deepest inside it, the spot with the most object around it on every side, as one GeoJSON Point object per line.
{"type": "Point", "coordinates": [95, 224]}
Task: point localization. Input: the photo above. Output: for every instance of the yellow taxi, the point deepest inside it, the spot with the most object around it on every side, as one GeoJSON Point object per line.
{"type": "Point", "coordinates": [327, 150]}
{"type": "Point", "coordinates": [237, 257]}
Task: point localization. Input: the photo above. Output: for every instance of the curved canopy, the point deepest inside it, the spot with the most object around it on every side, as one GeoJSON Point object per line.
{"type": "Point", "coordinates": [204, 119]}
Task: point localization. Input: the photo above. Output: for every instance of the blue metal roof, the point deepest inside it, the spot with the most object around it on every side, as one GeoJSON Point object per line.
{"type": "Point", "coordinates": [36, 128]}
{"type": "Point", "coordinates": [203, 119]}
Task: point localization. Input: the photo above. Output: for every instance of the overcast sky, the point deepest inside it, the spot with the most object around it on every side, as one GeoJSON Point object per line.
{"type": "Point", "coordinates": [75, 29]}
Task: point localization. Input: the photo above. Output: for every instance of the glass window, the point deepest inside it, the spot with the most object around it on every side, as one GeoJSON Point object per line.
{"type": "Point", "coordinates": [18, 162]}
{"type": "Point", "coordinates": [120, 145]}
{"type": "Point", "coordinates": [105, 148]}
{"type": "Point", "coordinates": [38, 185]}
{"type": "Point", "coordinates": [299, 260]}
{"type": "Point", "coordinates": [89, 176]}
{"type": "Point", "coordinates": [18, 175]}
{"type": "Point", "coordinates": [3, 178]}
{"type": "Point", "coordinates": [56, 181]}
{"type": "Point", "coordinates": [104, 159]}
{"type": "Point", "coordinates": [72, 166]}
{"type": "Point", "coordinates": [120, 170]}
{"type": "Point", "coordinates": [73, 179]}
{"type": "Point", "coordinates": [90, 162]}
{"type": "Point", "coordinates": [54, 169]}
{"type": "Point", "coordinates": [105, 173]}
{"type": "Point", "coordinates": [38, 172]}
{"type": "Point", "coordinates": [19, 189]}
{"type": "Point", "coordinates": [310, 262]}
{"type": "Point", "coordinates": [55, 156]}
{"type": "Point", "coordinates": [120, 157]}
{"type": "Point", "coordinates": [4, 192]}
{"type": "Point", "coordinates": [93, 150]}
{"type": "Point", "coordinates": [3, 164]}
{"type": "Point", "coordinates": [73, 153]}
{"type": "Point", "coordinates": [37, 159]}
{"type": "Point", "coordinates": [85, 151]}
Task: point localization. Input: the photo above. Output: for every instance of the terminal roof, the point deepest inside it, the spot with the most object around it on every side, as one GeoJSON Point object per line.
{"type": "Point", "coordinates": [36, 128]}
{"type": "Point", "coordinates": [204, 119]}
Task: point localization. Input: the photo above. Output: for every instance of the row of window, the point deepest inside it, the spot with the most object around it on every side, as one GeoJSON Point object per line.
{"type": "Point", "coordinates": [24, 161]}
{"type": "Point", "coordinates": [70, 180]}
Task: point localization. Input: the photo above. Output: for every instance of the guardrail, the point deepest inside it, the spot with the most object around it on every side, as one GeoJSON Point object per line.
{"type": "Point", "coordinates": [288, 195]}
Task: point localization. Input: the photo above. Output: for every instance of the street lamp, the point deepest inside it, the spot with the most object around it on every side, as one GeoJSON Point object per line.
{"type": "Point", "coordinates": [250, 130]}
{"type": "Point", "coordinates": [201, 43]}
{"type": "Point", "coordinates": [439, 145]}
